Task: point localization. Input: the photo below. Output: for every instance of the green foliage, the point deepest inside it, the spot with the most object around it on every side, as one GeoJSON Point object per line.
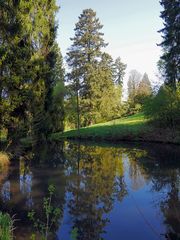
{"type": "Point", "coordinates": [74, 233]}
{"type": "Point", "coordinates": [119, 71]}
{"type": "Point", "coordinates": [6, 227]}
{"type": "Point", "coordinates": [55, 108]}
{"type": "Point", "coordinates": [51, 215]}
{"type": "Point", "coordinates": [144, 90]}
{"type": "Point", "coordinates": [15, 70]}
{"type": "Point", "coordinates": [171, 42]}
{"type": "Point", "coordinates": [164, 108]}
{"type": "Point", "coordinates": [133, 83]}
{"type": "Point", "coordinates": [138, 90]}
{"type": "Point", "coordinates": [82, 59]}
{"type": "Point", "coordinates": [30, 68]}
{"type": "Point", "coordinates": [94, 81]}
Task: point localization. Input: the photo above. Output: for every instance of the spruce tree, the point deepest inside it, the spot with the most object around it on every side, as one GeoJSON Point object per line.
{"type": "Point", "coordinates": [48, 79]}
{"type": "Point", "coordinates": [171, 41]}
{"type": "Point", "coordinates": [83, 57]}
{"type": "Point", "coordinates": [118, 75]}
{"type": "Point", "coordinates": [119, 71]}
{"type": "Point", "coordinates": [15, 55]}
{"type": "Point", "coordinates": [29, 59]}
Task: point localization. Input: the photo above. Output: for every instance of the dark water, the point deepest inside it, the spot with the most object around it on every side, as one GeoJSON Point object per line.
{"type": "Point", "coordinates": [107, 192]}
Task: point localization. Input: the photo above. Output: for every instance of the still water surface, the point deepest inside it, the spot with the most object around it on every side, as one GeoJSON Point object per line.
{"type": "Point", "coordinates": [107, 192]}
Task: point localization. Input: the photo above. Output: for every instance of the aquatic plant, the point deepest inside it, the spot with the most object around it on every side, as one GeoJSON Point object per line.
{"type": "Point", "coordinates": [51, 217]}
{"type": "Point", "coordinates": [6, 227]}
{"type": "Point", "coordinates": [74, 233]}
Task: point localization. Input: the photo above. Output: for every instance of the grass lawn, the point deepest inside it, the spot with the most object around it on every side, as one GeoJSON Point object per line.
{"type": "Point", "coordinates": [132, 128]}
{"type": "Point", "coordinates": [126, 127]}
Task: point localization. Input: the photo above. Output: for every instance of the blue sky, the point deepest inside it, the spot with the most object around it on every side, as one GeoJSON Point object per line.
{"type": "Point", "coordinates": [130, 28]}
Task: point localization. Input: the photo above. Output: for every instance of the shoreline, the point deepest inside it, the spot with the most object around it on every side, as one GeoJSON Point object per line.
{"type": "Point", "coordinates": [145, 137]}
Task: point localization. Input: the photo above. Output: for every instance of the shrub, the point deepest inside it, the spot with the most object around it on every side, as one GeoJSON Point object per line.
{"type": "Point", "coordinates": [51, 216]}
{"type": "Point", "coordinates": [163, 109]}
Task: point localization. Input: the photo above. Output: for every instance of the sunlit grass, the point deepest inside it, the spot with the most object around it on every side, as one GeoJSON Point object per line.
{"type": "Point", "coordinates": [131, 120]}
{"type": "Point", "coordinates": [125, 128]}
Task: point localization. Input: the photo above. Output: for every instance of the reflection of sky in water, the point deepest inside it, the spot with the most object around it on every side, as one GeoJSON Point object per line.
{"type": "Point", "coordinates": [134, 209]}
{"type": "Point", "coordinates": [6, 191]}
{"type": "Point", "coordinates": [107, 184]}
{"type": "Point", "coordinates": [26, 187]}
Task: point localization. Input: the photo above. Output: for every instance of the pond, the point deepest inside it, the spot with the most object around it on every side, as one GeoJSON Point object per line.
{"type": "Point", "coordinates": [105, 191]}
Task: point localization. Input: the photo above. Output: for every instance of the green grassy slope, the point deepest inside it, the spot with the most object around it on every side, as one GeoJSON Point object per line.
{"type": "Point", "coordinates": [129, 127]}
{"type": "Point", "coordinates": [132, 128]}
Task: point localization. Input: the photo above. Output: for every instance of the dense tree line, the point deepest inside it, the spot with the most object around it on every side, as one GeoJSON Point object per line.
{"type": "Point", "coordinates": [31, 84]}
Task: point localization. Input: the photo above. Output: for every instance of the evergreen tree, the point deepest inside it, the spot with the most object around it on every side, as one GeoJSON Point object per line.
{"type": "Point", "coordinates": [119, 71]}
{"type": "Point", "coordinates": [15, 55]}
{"type": "Point", "coordinates": [91, 73]}
{"type": "Point", "coordinates": [171, 41]}
{"type": "Point", "coordinates": [82, 58]}
{"type": "Point", "coordinates": [144, 89]}
{"type": "Point", "coordinates": [118, 76]}
{"type": "Point", "coordinates": [109, 99]}
{"type": "Point", "coordinates": [29, 61]}
{"type": "Point", "coordinates": [56, 110]}
{"type": "Point", "coordinates": [47, 115]}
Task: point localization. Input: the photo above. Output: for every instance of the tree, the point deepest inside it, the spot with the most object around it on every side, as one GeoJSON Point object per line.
{"type": "Point", "coordinates": [82, 58]}
{"type": "Point", "coordinates": [171, 41]}
{"type": "Point", "coordinates": [56, 107]}
{"type": "Point", "coordinates": [107, 96]}
{"type": "Point", "coordinates": [164, 108]}
{"type": "Point", "coordinates": [133, 83]}
{"type": "Point", "coordinates": [119, 71]}
{"type": "Point", "coordinates": [44, 65]}
{"type": "Point", "coordinates": [15, 71]}
{"type": "Point", "coordinates": [29, 59]}
{"type": "Point", "coordinates": [144, 89]}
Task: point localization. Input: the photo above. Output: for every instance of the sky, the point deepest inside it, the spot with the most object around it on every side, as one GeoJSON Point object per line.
{"type": "Point", "coordinates": [129, 26]}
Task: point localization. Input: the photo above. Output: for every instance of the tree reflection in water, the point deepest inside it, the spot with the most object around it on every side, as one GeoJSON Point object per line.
{"type": "Point", "coordinates": [163, 169]}
{"type": "Point", "coordinates": [91, 181]}
{"type": "Point", "coordinates": [97, 179]}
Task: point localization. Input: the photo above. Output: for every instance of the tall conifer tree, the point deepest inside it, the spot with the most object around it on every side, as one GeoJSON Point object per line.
{"type": "Point", "coordinates": [29, 60]}
{"type": "Point", "coordinates": [171, 41]}
{"type": "Point", "coordinates": [83, 59]}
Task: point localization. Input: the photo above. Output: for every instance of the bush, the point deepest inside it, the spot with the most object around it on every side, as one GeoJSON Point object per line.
{"type": "Point", "coordinates": [163, 109]}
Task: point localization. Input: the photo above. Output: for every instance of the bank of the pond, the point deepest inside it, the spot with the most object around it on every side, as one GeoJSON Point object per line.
{"type": "Point", "coordinates": [132, 128]}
